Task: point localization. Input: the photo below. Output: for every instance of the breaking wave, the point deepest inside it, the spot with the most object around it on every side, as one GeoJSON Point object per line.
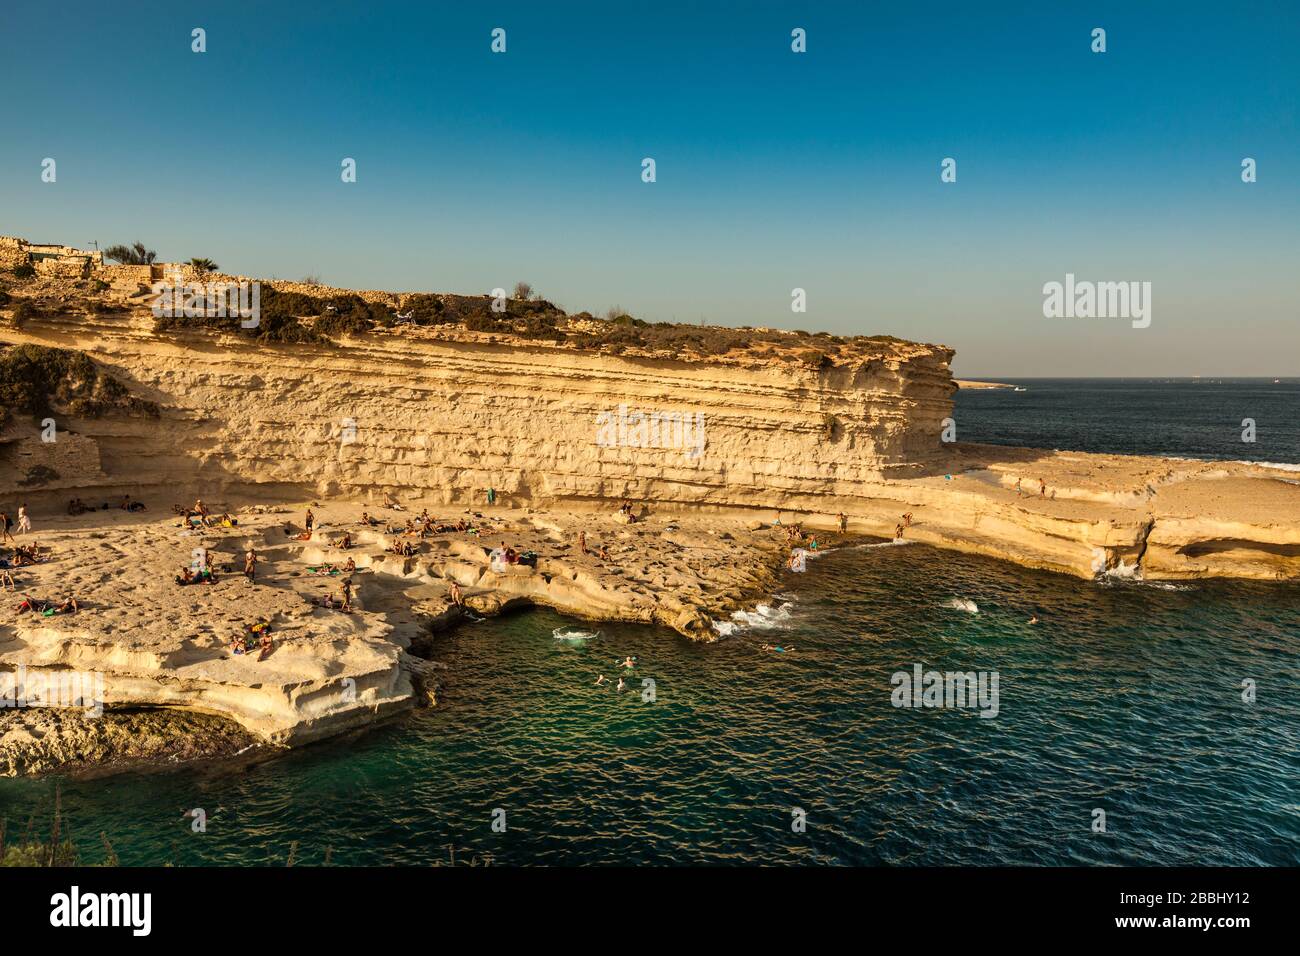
{"type": "Point", "coordinates": [764, 617]}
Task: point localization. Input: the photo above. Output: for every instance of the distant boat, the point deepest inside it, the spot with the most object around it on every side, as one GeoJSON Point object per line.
{"type": "Point", "coordinates": [1019, 389]}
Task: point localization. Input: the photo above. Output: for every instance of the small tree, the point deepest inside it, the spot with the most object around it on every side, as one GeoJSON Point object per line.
{"type": "Point", "coordinates": [132, 255]}
{"type": "Point", "coordinates": [523, 290]}
{"type": "Point", "coordinates": [204, 265]}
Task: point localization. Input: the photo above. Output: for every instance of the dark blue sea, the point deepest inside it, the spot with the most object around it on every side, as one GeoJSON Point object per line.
{"type": "Point", "coordinates": [1126, 698]}
{"type": "Point", "coordinates": [1185, 418]}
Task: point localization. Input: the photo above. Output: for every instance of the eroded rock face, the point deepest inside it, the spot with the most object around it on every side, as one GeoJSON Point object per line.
{"type": "Point", "coordinates": [540, 424]}
{"type": "Point", "coordinates": [40, 741]}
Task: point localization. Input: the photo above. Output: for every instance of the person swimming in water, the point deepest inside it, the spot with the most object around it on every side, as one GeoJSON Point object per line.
{"type": "Point", "coordinates": [622, 684]}
{"type": "Point", "coordinates": [600, 681]}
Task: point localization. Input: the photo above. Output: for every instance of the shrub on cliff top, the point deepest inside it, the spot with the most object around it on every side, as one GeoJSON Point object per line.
{"type": "Point", "coordinates": [278, 320]}
{"type": "Point", "coordinates": [25, 311]}
{"type": "Point", "coordinates": [426, 309]}
{"type": "Point", "coordinates": [34, 379]}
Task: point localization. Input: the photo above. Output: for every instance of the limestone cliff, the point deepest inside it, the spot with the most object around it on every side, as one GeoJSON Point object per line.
{"type": "Point", "coordinates": [406, 411]}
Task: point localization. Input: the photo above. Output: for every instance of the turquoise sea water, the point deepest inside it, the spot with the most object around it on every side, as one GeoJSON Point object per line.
{"type": "Point", "coordinates": [1126, 697]}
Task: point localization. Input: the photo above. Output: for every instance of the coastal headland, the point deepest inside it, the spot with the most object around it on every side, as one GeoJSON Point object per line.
{"type": "Point", "coordinates": [720, 440]}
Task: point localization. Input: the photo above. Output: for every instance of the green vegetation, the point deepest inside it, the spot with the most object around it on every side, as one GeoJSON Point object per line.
{"type": "Point", "coordinates": [132, 255]}
{"type": "Point", "coordinates": [320, 319]}
{"type": "Point", "coordinates": [34, 849]}
{"type": "Point", "coordinates": [204, 265]}
{"type": "Point", "coordinates": [34, 379]}
{"type": "Point", "coordinates": [24, 312]}
{"type": "Point", "coordinates": [24, 271]}
{"type": "Point", "coordinates": [38, 475]}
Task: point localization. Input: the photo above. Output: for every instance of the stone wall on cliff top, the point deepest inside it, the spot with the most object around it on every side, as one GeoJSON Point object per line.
{"type": "Point", "coordinates": [540, 424]}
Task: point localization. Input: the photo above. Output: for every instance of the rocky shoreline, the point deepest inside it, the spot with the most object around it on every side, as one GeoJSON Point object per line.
{"type": "Point", "coordinates": [40, 741]}
{"type": "Point", "coordinates": [175, 692]}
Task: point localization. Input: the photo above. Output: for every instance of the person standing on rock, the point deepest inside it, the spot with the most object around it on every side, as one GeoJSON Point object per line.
{"type": "Point", "coordinates": [844, 522]}
{"type": "Point", "coordinates": [582, 541]}
{"type": "Point", "coordinates": [456, 597]}
{"type": "Point", "coordinates": [24, 522]}
{"type": "Point", "coordinates": [5, 524]}
{"type": "Point", "coordinates": [310, 521]}
{"type": "Point", "coordinates": [250, 564]}
{"type": "Point", "coordinates": [492, 496]}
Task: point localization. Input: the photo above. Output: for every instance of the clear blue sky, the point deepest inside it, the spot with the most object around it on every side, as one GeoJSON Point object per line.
{"type": "Point", "coordinates": [775, 170]}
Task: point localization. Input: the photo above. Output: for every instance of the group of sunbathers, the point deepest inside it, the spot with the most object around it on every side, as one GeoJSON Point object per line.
{"type": "Point", "coordinates": [201, 517]}
{"type": "Point", "coordinates": [23, 555]}
{"type": "Point", "coordinates": [328, 568]}
{"type": "Point", "coordinates": [796, 536]}
{"type": "Point", "coordinates": [342, 603]}
{"type": "Point", "coordinates": [257, 636]}
{"type": "Point", "coordinates": [601, 552]}
{"type": "Point", "coordinates": [203, 575]}
{"type": "Point", "coordinates": [78, 507]}
{"type": "Point", "coordinates": [49, 608]}
{"type": "Point", "coordinates": [426, 525]}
